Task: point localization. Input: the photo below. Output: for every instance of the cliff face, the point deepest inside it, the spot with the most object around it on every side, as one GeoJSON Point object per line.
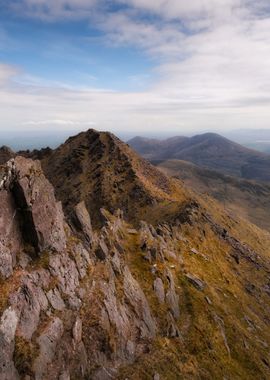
{"type": "Point", "coordinates": [184, 297]}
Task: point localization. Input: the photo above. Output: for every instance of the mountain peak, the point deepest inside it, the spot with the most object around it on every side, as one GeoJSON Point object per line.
{"type": "Point", "coordinates": [98, 168]}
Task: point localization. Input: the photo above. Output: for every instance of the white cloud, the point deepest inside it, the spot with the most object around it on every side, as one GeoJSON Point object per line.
{"type": "Point", "coordinates": [213, 71]}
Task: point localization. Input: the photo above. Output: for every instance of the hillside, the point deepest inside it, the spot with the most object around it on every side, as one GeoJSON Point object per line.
{"type": "Point", "coordinates": [211, 151]}
{"type": "Point", "coordinates": [247, 199]}
{"type": "Point", "coordinates": [170, 287]}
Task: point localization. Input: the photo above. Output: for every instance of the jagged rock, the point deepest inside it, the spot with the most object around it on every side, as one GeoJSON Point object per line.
{"type": "Point", "coordinates": [102, 250]}
{"type": "Point", "coordinates": [10, 234]}
{"type": "Point", "coordinates": [104, 374]}
{"type": "Point", "coordinates": [42, 215]}
{"type": "Point", "coordinates": [6, 265]}
{"type": "Point", "coordinates": [116, 315]}
{"type": "Point", "coordinates": [139, 302]}
{"type": "Point", "coordinates": [172, 329]}
{"type": "Point", "coordinates": [81, 220]}
{"type": "Point", "coordinates": [55, 299]}
{"type": "Point", "coordinates": [28, 300]}
{"type": "Point", "coordinates": [74, 303]}
{"type": "Point", "coordinates": [47, 341]}
{"type": "Point", "coordinates": [82, 259]}
{"type": "Point", "coordinates": [77, 330]}
{"type": "Point", "coordinates": [172, 297]}
{"type": "Point", "coordinates": [8, 325]}
{"type": "Point", "coordinates": [115, 261]}
{"type": "Point", "coordinates": [64, 269]}
{"type": "Point", "coordinates": [159, 290]}
{"type": "Point", "coordinates": [199, 284]}
{"type": "Point", "coordinates": [24, 260]}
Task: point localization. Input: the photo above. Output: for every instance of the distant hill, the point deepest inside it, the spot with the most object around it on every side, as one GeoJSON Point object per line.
{"type": "Point", "coordinates": [245, 198]}
{"type": "Point", "coordinates": [208, 150]}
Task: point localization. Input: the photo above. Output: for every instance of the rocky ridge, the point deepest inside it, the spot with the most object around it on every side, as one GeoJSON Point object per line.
{"type": "Point", "coordinates": [182, 297]}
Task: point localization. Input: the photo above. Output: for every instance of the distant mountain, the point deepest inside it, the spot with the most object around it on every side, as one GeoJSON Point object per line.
{"type": "Point", "coordinates": [258, 139]}
{"type": "Point", "coordinates": [208, 150]}
{"type": "Point", "coordinates": [245, 198]}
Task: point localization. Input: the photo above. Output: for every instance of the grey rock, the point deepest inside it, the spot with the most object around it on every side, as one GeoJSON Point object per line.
{"type": "Point", "coordinates": [8, 325]}
{"type": "Point", "coordinates": [42, 215]}
{"type": "Point", "coordinates": [172, 297]}
{"type": "Point", "coordinates": [27, 302]}
{"type": "Point", "coordinates": [139, 302]}
{"type": "Point", "coordinates": [24, 260]}
{"type": "Point", "coordinates": [82, 259]}
{"type": "Point", "coordinates": [48, 342]}
{"type": "Point", "coordinates": [115, 261]}
{"type": "Point", "coordinates": [196, 282]}
{"type": "Point", "coordinates": [64, 269]}
{"type": "Point", "coordinates": [159, 290]}
{"type": "Point", "coordinates": [104, 374]}
{"type": "Point", "coordinates": [10, 233]}
{"type": "Point", "coordinates": [55, 299]}
{"type": "Point", "coordinates": [172, 329]}
{"type": "Point", "coordinates": [102, 251]}
{"type": "Point", "coordinates": [77, 330]}
{"type": "Point", "coordinates": [6, 265]}
{"type": "Point", "coordinates": [74, 303]}
{"type": "Point", "coordinates": [82, 221]}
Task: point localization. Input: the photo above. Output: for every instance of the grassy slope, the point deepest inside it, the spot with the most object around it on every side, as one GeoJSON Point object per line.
{"type": "Point", "coordinates": [242, 198]}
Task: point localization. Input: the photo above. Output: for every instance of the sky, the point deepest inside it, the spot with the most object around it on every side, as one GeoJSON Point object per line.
{"type": "Point", "coordinates": [133, 67]}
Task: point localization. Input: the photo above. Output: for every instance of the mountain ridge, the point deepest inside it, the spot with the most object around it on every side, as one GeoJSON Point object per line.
{"type": "Point", "coordinates": [211, 151]}
{"type": "Point", "coordinates": [178, 291]}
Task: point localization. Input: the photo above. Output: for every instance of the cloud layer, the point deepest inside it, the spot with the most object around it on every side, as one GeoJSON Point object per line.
{"type": "Point", "coordinates": [211, 72]}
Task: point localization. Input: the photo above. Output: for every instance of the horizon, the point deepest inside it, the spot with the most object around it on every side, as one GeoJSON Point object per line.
{"type": "Point", "coordinates": [134, 67]}
{"type": "Point", "coordinates": [251, 138]}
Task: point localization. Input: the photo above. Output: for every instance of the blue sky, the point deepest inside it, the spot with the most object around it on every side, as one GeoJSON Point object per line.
{"type": "Point", "coordinates": [151, 67]}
